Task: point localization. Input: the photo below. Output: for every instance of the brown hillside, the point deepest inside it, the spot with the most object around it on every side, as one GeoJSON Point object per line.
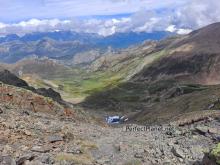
{"type": "Point", "coordinates": [194, 58]}
{"type": "Point", "coordinates": [20, 98]}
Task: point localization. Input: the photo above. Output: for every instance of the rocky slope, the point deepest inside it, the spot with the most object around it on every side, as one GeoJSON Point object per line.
{"type": "Point", "coordinates": [25, 99]}
{"type": "Point", "coordinates": [40, 138]}
{"type": "Point", "coordinates": [44, 132]}
{"type": "Point", "coordinates": [7, 77]}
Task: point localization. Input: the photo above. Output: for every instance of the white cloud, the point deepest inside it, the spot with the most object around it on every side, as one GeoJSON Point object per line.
{"type": "Point", "coordinates": [2, 25]}
{"type": "Point", "coordinates": [183, 31]}
{"type": "Point", "coordinates": [180, 18]}
{"type": "Point", "coordinates": [198, 13]}
{"type": "Point", "coordinates": [171, 28]}
{"type": "Point", "coordinates": [14, 10]}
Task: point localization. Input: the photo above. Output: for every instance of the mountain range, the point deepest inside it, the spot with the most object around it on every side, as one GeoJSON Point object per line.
{"type": "Point", "coordinates": [64, 45]}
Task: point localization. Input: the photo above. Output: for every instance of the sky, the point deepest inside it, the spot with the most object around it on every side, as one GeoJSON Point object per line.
{"type": "Point", "coordinates": [106, 17]}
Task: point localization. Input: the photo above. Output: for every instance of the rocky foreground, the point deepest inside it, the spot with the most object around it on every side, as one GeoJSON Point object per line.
{"type": "Point", "coordinates": [36, 138]}
{"type": "Point", "coordinates": [36, 130]}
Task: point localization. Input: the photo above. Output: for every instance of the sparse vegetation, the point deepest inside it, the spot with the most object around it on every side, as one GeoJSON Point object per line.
{"type": "Point", "coordinates": [160, 86]}
{"type": "Point", "coordinates": [216, 153]}
{"type": "Point", "coordinates": [82, 159]}
{"type": "Point", "coordinates": [133, 162]}
{"type": "Point", "coordinates": [86, 145]}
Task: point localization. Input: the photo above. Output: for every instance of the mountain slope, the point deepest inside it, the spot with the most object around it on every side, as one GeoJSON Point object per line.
{"type": "Point", "coordinates": [194, 58]}
{"type": "Point", "coordinates": [43, 67]}
{"type": "Point", "coordinates": [179, 78]}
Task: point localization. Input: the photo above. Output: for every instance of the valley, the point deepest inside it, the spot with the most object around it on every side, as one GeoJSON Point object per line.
{"type": "Point", "coordinates": [137, 80]}
{"type": "Point", "coordinates": [59, 101]}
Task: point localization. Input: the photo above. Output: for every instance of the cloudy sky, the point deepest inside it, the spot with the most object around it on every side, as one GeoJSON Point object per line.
{"type": "Point", "coordinates": [106, 17]}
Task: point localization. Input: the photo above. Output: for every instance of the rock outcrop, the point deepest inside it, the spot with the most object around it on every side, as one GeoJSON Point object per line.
{"type": "Point", "coordinates": [27, 100]}
{"type": "Point", "coordinates": [8, 78]}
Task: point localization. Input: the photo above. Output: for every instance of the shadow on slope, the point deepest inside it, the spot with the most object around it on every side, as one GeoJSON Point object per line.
{"type": "Point", "coordinates": [156, 102]}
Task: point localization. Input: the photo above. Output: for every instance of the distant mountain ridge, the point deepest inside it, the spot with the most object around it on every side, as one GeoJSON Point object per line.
{"type": "Point", "coordinates": [64, 45]}
{"type": "Point", "coordinates": [117, 40]}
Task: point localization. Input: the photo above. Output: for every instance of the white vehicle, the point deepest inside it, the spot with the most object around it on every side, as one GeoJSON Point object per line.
{"type": "Point", "coordinates": [115, 119]}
